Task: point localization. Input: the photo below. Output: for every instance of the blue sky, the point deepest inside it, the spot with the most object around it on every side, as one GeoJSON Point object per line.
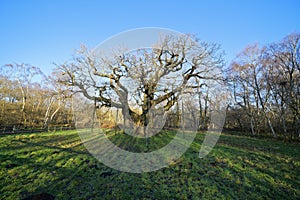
{"type": "Point", "coordinates": [43, 32]}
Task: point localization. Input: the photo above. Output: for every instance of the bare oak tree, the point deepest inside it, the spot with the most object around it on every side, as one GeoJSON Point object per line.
{"type": "Point", "coordinates": [143, 82]}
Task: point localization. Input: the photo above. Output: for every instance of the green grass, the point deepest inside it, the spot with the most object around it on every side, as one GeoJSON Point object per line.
{"type": "Point", "coordinates": [237, 168]}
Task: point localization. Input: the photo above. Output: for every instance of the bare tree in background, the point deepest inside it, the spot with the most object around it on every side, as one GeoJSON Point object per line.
{"type": "Point", "coordinates": [283, 61]}
{"type": "Point", "coordinates": [24, 75]}
{"type": "Point", "coordinates": [265, 83]}
{"type": "Point", "coordinates": [250, 72]}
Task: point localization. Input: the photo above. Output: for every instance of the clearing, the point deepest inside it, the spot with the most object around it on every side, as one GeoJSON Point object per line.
{"type": "Point", "coordinates": [237, 168]}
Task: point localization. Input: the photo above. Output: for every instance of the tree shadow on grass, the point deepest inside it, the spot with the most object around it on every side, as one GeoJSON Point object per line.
{"type": "Point", "coordinates": [260, 173]}
{"type": "Point", "coordinates": [228, 173]}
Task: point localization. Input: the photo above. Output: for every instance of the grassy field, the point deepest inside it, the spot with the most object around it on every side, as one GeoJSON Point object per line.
{"type": "Point", "coordinates": [237, 168]}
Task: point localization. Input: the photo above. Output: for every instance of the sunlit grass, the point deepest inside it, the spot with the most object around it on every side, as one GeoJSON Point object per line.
{"type": "Point", "coordinates": [237, 168]}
